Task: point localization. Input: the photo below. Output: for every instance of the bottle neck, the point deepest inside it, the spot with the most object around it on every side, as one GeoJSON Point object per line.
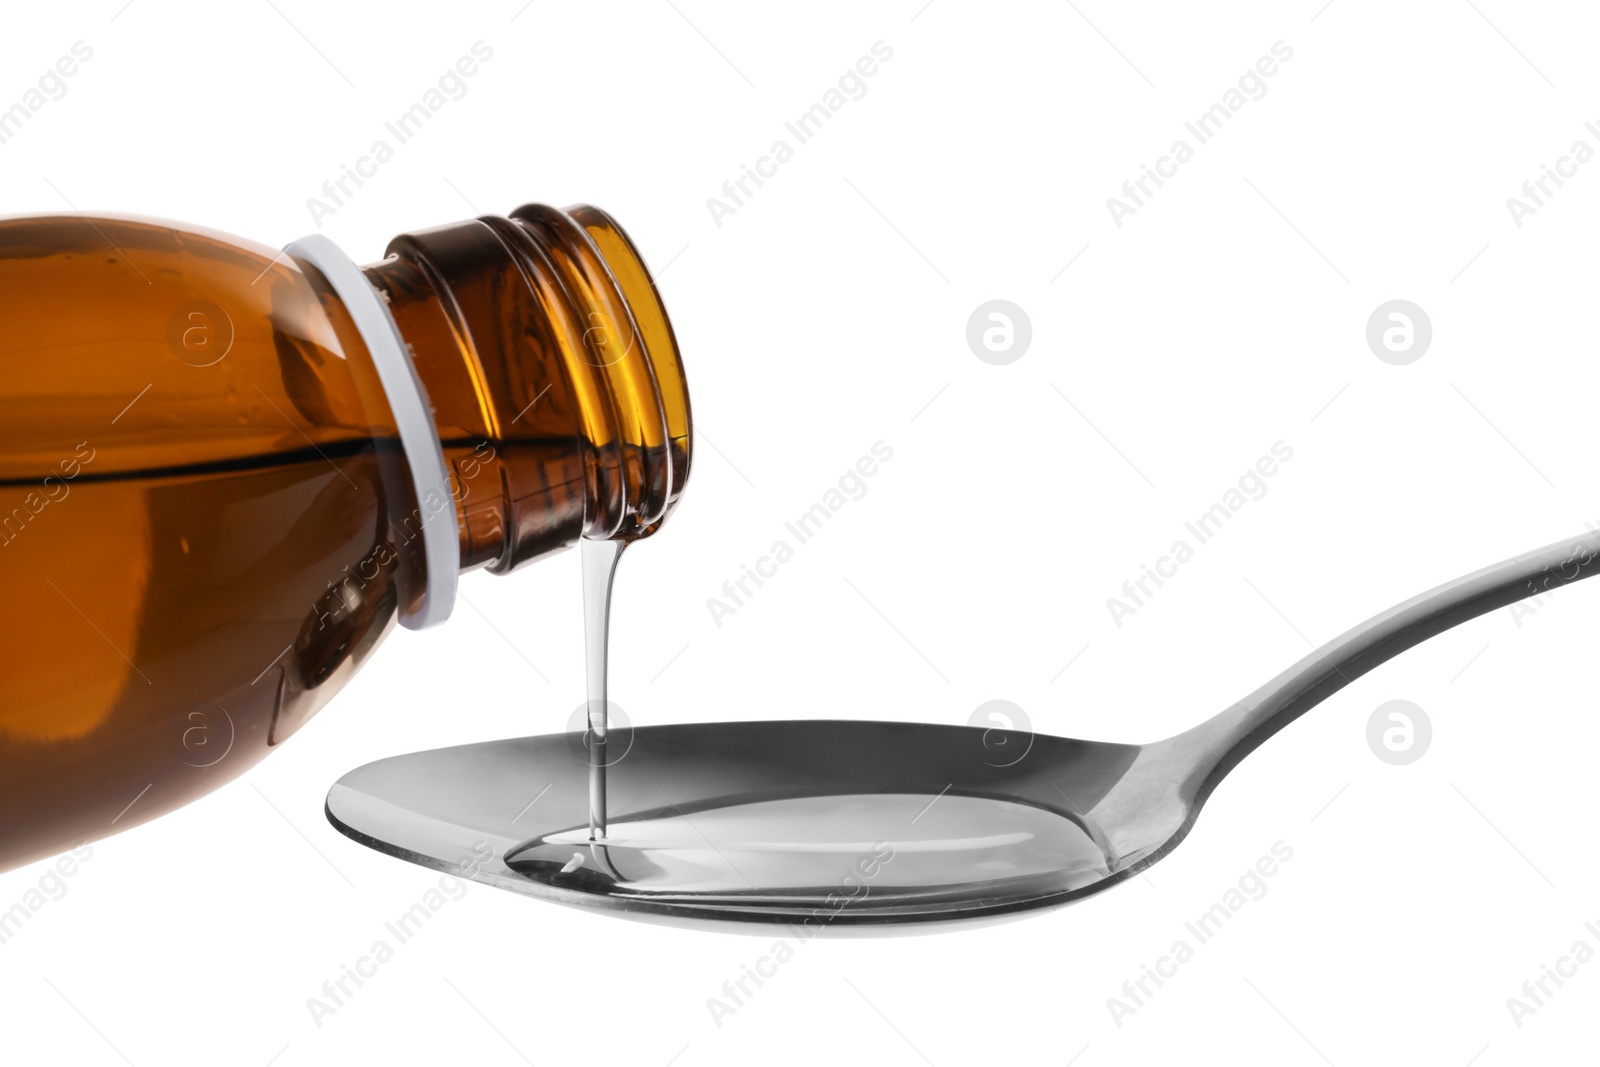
{"type": "Point", "coordinates": [556, 384]}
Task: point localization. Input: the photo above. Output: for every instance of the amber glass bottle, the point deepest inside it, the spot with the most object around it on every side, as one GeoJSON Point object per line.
{"type": "Point", "coordinates": [212, 506]}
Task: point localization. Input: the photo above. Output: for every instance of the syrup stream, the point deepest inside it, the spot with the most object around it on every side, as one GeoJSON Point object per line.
{"type": "Point", "coordinates": [599, 569]}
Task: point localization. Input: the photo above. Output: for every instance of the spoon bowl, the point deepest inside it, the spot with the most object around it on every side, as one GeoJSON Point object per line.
{"type": "Point", "coordinates": [822, 823]}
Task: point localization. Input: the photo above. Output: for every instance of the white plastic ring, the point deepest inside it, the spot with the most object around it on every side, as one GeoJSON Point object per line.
{"type": "Point", "coordinates": [413, 418]}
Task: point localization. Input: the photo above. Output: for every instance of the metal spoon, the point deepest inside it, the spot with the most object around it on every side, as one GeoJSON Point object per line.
{"type": "Point", "coordinates": [839, 825]}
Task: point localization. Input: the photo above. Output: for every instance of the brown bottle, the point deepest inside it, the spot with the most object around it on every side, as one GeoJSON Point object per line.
{"type": "Point", "coordinates": [225, 473]}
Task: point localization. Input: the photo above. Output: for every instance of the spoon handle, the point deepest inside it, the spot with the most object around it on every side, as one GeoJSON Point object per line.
{"type": "Point", "coordinates": [1217, 745]}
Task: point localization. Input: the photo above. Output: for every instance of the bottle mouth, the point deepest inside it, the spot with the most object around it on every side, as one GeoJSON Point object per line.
{"type": "Point", "coordinates": [620, 359]}
{"type": "Point", "coordinates": [557, 389]}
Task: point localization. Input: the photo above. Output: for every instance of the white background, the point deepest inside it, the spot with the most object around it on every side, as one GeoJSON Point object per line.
{"type": "Point", "coordinates": [829, 313]}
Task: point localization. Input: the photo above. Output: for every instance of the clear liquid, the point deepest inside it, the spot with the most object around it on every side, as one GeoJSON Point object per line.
{"type": "Point", "coordinates": [829, 854]}
{"type": "Point", "coordinates": [599, 571]}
